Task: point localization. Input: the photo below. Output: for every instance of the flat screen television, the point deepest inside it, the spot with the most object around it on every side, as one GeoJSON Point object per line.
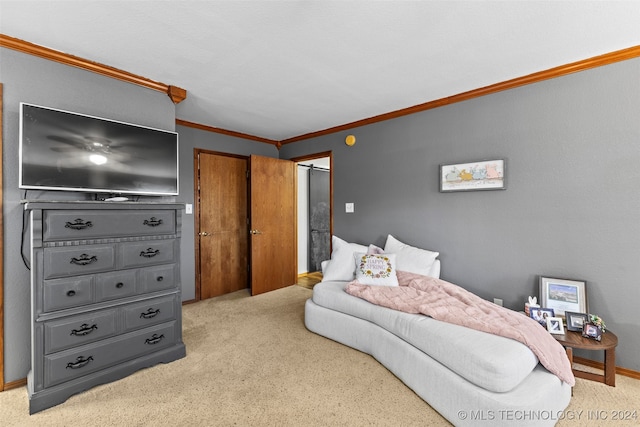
{"type": "Point", "coordinates": [62, 150]}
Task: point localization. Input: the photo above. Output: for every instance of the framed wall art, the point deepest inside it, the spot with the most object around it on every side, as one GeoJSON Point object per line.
{"type": "Point", "coordinates": [563, 295]}
{"type": "Point", "coordinates": [481, 175]}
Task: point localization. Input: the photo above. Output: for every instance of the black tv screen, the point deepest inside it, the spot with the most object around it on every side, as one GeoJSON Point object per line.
{"type": "Point", "coordinates": [61, 150]}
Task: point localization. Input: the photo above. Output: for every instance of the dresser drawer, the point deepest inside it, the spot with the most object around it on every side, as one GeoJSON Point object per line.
{"type": "Point", "coordinates": [69, 364]}
{"type": "Point", "coordinates": [77, 260]}
{"type": "Point", "coordinates": [117, 284]}
{"type": "Point", "coordinates": [152, 279]}
{"type": "Point", "coordinates": [151, 252]}
{"type": "Point", "coordinates": [67, 293]}
{"type": "Point", "coordinates": [85, 224]}
{"type": "Point", "coordinates": [147, 313]}
{"type": "Point", "coordinates": [78, 330]}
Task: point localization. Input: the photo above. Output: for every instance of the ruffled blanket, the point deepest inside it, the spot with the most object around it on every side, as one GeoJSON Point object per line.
{"type": "Point", "coordinates": [447, 302]}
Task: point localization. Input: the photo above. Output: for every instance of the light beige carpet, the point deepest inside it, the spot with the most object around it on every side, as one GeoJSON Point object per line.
{"type": "Point", "coordinates": [251, 362]}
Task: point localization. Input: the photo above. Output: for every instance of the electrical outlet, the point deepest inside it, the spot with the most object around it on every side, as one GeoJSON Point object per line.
{"type": "Point", "coordinates": [349, 207]}
{"type": "Point", "coordinates": [497, 301]}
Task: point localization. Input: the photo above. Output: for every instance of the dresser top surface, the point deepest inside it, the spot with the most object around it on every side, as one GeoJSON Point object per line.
{"type": "Point", "coordinates": [90, 204]}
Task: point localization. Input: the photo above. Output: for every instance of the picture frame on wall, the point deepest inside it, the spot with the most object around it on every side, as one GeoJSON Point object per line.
{"type": "Point", "coordinates": [473, 176]}
{"type": "Point", "coordinates": [563, 295]}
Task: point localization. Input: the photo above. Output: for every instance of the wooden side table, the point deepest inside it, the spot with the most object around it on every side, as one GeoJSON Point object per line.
{"type": "Point", "coordinates": [571, 340]}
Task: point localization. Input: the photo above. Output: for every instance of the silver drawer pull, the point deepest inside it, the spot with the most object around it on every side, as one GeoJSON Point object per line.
{"type": "Point", "coordinates": [153, 222]}
{"type": "Point", "coordinates": [79, 363]}
{"type": "Point", "coordinates": [119, 285]}
{"type": "Point", "coordinates": [71, 293]}
{"type": "Point", "coordinates": [84, 330]}
{"type": "Point", "coordinates": [155, 339]}
{"type": "Point", "coordinates": [149, 253]}
{"type": "Point", "coordinates": [78, 224]}
{"type": "Point", "coordinates": [150, 313]}
{"type": "Point", "coordinates": [84, 260]}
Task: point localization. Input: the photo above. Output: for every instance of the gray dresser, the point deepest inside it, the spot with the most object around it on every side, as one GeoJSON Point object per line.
{"type": "Point", "coordinates": [105, 294]}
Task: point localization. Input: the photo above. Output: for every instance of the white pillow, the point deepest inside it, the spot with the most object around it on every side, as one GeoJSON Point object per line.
{"type": "Point", "coordinates": [409, 258]}
{"type": "Point", "coordinates": [434, 271]}
{"type": "Point", "coordinates": [342, 266]}
{"type": "Point", "coordinates": [376, 269]}
{"type": "Point", "coordinates": [323, 266]}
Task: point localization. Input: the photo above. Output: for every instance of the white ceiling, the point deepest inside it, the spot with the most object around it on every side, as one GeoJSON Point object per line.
{"type": "Point", "coordinates": [279, 69]}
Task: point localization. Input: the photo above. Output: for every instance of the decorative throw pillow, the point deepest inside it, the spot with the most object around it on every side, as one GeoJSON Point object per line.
{"type": "Point", "coordinates": [342, 266]}
{"type": "Point", "coordinates": [411, 259]}
{"type": "Point", "coordinates": [373, 269]}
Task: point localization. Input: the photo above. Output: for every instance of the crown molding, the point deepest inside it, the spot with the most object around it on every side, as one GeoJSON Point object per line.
{"type": "Point", "coordinates": [176, 94]}
{"type": "Point", "coordinates": [227, 132]}
{"type": "Point", "coordinates": [563, 70]}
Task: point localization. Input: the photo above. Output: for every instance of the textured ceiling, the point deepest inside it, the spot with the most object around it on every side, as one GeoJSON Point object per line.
{"type": "Point", "coordinates": [279, 69]}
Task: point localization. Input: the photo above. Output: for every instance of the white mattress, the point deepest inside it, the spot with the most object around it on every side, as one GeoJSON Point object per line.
{"type": "Point", "coordinates": [489, 361]}
{"type": "Point", "coordinates": [536, 400]}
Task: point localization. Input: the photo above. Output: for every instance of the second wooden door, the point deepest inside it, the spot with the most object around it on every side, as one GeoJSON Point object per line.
{"type": "Point", "coordinates": [273, 224]}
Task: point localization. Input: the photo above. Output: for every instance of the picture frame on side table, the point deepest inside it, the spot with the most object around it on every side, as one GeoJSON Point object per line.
{"type": "Point", "coordinates": [555, 326]}
{"type": "Point", "coordinates": [576, 321]}
{"type": "Point", "coordinates": [563, 295]}
{"type": "Point", "coordinates": [541, 314]}
{"type": "Point", "coordinates": [592, 331]}
{"type": "Point", "coordinates": [473, 176]}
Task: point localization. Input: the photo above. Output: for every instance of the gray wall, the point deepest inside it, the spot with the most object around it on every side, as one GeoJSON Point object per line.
{"type": "Point", "coordinates": [572, 146]}
{"type": "Point", "coordinates": [30, 79]}
{"type": "Point", "coordinates": [190, 139]}
{"type": "Point", "coordinates": [34, 80]}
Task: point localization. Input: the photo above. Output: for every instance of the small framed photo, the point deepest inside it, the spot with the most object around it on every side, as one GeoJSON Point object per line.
{"type": "Point", "coordinates": [541, 315]}
{"type": "Point", "coordinates": [555, 326]}
{"type": "Point", "coordinates": [592, 331]}
{"type": "Point", "coordinates": [576, 321]}
{"type": "Point", "coordinates": [563, 295]}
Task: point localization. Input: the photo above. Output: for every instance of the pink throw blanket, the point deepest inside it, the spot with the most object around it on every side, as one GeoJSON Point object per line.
{"type": "Point", "coordinates": [447, 302]}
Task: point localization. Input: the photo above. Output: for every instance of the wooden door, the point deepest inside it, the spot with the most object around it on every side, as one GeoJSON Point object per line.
{"type": "Point", "coordinates": [273, 224]}
{"type": "Point", "coordinates": [223, 229]}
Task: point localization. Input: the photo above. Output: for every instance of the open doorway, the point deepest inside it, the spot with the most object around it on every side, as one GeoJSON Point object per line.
{"type": "Point", "coordinates": [315, 224]}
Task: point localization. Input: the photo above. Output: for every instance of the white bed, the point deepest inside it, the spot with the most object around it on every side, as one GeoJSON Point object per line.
{"type": "Point", "coordinates": [470, 377]}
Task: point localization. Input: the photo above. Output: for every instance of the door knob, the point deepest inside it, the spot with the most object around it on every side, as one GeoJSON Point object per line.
{"type": "Point", "coordinates": [203, 233]}
{"type": "Point", "coordinates": [255, 232]}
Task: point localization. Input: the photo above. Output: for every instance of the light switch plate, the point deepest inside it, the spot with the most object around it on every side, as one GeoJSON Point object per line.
{"type": "Point", "coordinates": [188, 208]}
{"type": "Point", "coordinates": [349, 207]}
